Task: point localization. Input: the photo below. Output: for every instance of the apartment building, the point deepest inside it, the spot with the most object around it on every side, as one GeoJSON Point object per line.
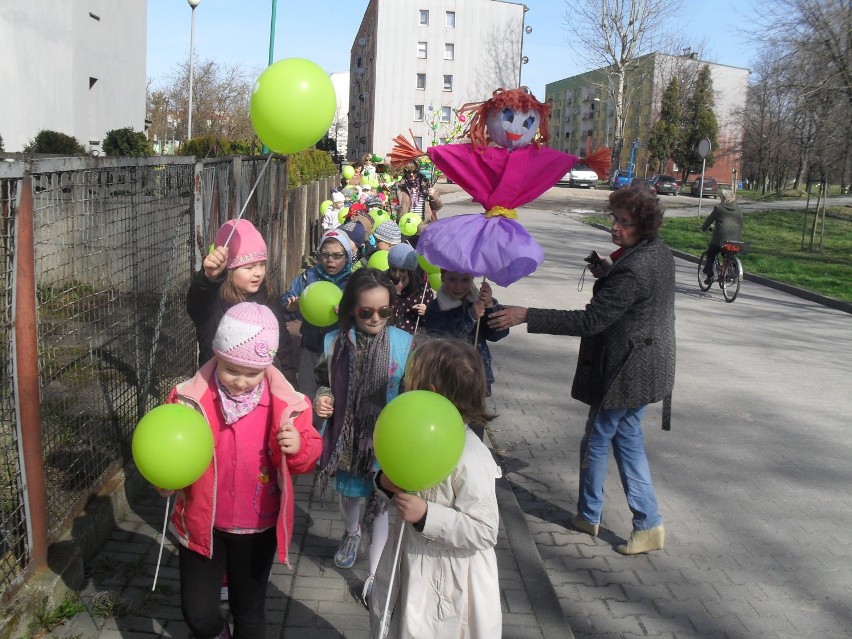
{"type": "Point", "coordinates": [73, 67]}
{"type": "Point", "coordinates": [583, 112]}
{"type": "Point", "coordinates": [415, 62]}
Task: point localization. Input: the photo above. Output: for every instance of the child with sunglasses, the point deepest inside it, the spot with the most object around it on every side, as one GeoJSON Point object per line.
{"type": "Point", "coordinates": [359, 373]}
{"type": "Point", "coordinates": [334, 264]}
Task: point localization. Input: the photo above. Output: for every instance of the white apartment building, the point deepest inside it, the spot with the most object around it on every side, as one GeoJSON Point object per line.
{"type": "Point", "coordinates": [413, 62]}
{"type": "Point", "coordinates": [77, 67]}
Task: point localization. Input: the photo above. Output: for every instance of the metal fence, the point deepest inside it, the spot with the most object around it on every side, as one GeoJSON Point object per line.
{"type": "Point", "coordinates": [116, 242]}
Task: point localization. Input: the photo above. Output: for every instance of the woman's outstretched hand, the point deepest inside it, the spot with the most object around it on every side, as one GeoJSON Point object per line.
{"type": "Point", "coordinates": [507, 317]}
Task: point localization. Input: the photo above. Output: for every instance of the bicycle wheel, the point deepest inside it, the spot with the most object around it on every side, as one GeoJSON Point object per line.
{"type": "Point", "coordinates": [701, 262]}
{"type": "Point", "coordinates": [733, 275]}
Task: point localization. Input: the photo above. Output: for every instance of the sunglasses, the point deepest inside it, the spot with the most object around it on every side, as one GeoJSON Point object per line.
{"type": "Point", "coordinates": [366, 312]}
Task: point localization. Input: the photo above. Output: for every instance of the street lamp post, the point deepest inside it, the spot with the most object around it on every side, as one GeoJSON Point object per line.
{"type": "Point", "coordinates": [192, 5]}
{"type": "Point", "coordinates": [524, 59]}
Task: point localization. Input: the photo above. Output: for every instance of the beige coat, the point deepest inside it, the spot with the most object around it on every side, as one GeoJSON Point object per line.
{"type": "Point", "coordinates": [446, 584]}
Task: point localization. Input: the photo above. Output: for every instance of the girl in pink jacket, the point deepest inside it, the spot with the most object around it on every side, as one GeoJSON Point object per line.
{"type": "Point", "coordinates": [241, 509]}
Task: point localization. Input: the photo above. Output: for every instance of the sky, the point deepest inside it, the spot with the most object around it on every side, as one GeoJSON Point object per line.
{"type": "Point", "coordinates": [237, 31]}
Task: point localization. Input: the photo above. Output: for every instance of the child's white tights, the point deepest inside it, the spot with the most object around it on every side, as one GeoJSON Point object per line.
{"type": "Point", "coordinates": [350, 510]}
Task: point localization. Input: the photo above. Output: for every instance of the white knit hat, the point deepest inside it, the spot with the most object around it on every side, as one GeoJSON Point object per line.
{"type": "Point", "coordinates": [247, 336]}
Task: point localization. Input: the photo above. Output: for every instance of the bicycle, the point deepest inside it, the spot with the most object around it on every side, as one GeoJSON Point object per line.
{"type": "Point", "coordinates": [727, 269]}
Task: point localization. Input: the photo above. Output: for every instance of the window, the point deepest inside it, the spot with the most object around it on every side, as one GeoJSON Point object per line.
{"type": "Point", "coordinates": [418, 142]}
{"type": "Point", "coordinates": [418, 113]}
{"type": "Point", "coordinates": [421, 49]}
{"type": "Point", "coordinates": [421, 80]}
{"type": "Point", "coordinates": [451, 19]}
{"type": "Point", "coordinates": [424, 17]}
{"type": "Point", "coordinates": [449, 51]}
{"type": "Point", "coordinates": [94, 16]}
{"type": "Point", "coordinates": [448, 83]}
{"type": "Point", "coordinates": [446, 114]}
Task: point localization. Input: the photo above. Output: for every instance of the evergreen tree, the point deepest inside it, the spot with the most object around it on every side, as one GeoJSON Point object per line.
{"type": "Point", "coordinates": [47, 141]}
{"type": "Point", "coordinates": [699, 122]}
{"type": "Point", "coordinates": [126, 143]}
{"type": "Point", "coordinates": [666, 130]}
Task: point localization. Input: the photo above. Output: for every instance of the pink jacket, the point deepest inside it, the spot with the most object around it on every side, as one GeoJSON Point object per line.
{"type": "Point", "coordinates": [195, 506]}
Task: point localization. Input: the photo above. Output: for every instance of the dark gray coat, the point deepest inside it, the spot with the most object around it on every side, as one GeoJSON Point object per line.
{"type": "Point", "coordinates": [627, 350]}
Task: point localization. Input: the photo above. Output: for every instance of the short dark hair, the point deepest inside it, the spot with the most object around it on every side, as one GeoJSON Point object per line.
{"type": "Point", "coordinates": [361, 280]}
{"type": "Point", "coordinates": [643, 204]}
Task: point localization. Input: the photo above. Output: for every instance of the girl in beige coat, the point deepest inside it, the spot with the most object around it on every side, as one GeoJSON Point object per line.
{"type": "Point", "coordinates": [446, 583]}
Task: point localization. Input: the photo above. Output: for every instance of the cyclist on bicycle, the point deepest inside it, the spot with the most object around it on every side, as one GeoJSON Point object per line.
{"type": "Point", "coordinates": [728, 218]}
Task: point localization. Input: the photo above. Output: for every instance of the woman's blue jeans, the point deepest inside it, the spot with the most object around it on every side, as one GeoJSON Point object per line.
{"type": "Point", "coordinates": [622, 428]}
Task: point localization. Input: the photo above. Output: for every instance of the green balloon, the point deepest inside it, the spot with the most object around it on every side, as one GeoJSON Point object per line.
{"type": "Point", "coordinates": [172, 446]}
{"type": "Point", "coordinates": [427, 266]}
{"type": "Point", "coordinates": [379, 216]}
{"type": "Point", "coordinates": [379, 260]}
{"type": "Point", "coordinates": [318, 301]}
{"type": "Point", "coordinates": [341, 215]}
{"type": "Point", "coordinates": [324, 206]}
{"type": "Point", "coordinates": [435, 280]}
{"type": "Point", "coordinates": [418, 439]}
{"type": "Point", "coordinates": [409, 223]}
{"type": "Point", "coordinates": [292, 105]}
{"type": "Point", "coordinates": [347, 171]}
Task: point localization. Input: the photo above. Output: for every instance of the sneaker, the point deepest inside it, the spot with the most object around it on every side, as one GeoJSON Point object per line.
{"type": "Point", "coordinates": [708, 279]}
{"type": "Point", "coordinates": [367, 592]}
{"type": "Point", "coordinates": [347, 552]}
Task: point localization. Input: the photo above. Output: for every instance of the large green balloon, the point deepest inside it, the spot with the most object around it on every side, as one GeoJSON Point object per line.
{"type": "Point", "coordinates": [292, 105]}
{"type": "Point", "coordinates": [435, 281]}
{"type": "Point", "coordinates": [409, 223]}
{"type": "Point", "coordinates": [172, 446]}
{"type": "Point", "coordinates": [426, 265]}
{"type": "Point", "coordinates": [347, 171]}
{"type": "Point", "coordinates": [318, 301]}
{"type": "Point", "coordinates": [324, 206]}
{"type": "Point", "coordinates": [379, 260]}
{"type": "Point", "coordinates": [341, 215]}
{"type": "Point", "coordinates": [418, 439]}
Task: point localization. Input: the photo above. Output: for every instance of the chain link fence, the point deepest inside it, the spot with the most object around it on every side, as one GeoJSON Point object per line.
{"type": "Point", "coordinates": [116, 243]}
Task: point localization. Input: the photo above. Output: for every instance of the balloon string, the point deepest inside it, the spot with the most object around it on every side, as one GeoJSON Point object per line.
{"type": "Point", "coordinates": [248, 199]}
{"type": "Point", "coordinates": [162, 540]}
{"type": "Point", "coordinates": [383, 627]}
{"type": "Point", "coordinates": [478, 319]}
{"type": "Point", "coordinates": [422, 297]}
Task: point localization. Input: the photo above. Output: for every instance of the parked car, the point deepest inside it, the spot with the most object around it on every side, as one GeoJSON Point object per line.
{"type": "Point", "coordinates": [581, 175]}
{"type": "Point", "coordinates": [710, 189]}
{"type": "Point", "coordinates": [619, 179]}
{"type": "Point", "coordinates": [664, 184]}
{"type": "Point", "coordinates": [642, 181]}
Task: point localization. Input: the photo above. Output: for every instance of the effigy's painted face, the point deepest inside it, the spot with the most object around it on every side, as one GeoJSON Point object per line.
{"type": "Point", "coordinates": [512, 129]}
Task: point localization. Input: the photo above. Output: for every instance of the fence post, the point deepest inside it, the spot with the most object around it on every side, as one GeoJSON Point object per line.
{"type": "Point", "coordinates": [26, 376]}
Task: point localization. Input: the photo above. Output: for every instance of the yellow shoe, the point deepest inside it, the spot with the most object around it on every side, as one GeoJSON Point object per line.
{"type": "Point", "coordinates": [644, 541]}
{"type": "Point", "coordinates": [578, 523]}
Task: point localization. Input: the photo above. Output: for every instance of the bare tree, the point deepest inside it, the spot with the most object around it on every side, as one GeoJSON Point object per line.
{"type": "Point", "coordinates": [220, 107]}
{"type": "Point", "coordinates": [610, 35]}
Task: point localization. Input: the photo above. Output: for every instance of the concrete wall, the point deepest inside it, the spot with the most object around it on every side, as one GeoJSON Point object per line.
{"type": "Point", "coordinates": [74, 67]}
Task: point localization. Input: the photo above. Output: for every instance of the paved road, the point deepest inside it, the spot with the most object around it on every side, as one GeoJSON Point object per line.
{"type": "Point", "coordinates": [753, 480]}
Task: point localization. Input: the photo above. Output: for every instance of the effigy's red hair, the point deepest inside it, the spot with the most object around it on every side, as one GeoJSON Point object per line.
{"type": "Point", "coordinates": [519, 99]}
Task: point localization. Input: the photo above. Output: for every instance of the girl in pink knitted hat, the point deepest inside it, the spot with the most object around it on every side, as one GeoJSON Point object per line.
{"type": "Point", "coordinates": [235, 271]}
{"type": "Point", "coordinates": [241, 509]}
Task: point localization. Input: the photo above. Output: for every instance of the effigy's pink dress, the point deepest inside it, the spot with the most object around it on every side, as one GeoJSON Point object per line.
{"type": "Point", "coordinates": [490, 244]}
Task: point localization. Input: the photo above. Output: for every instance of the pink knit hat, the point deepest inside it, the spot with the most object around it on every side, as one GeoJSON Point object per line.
{"type": "Point", "coordinates": [246, 245]}
{"type": "Point", "coordinates": [247, 336]}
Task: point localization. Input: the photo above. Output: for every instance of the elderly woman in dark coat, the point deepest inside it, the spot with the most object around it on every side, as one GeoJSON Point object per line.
{"type": "Point", "coordinates": [626, 361]}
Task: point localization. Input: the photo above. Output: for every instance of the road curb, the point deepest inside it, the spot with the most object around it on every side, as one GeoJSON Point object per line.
{"type": "Point", "coordinates": [542, 595]}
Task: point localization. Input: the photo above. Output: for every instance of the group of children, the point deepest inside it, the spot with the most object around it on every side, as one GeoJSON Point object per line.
{"type": "Point", "coordinates": [230, 521]}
